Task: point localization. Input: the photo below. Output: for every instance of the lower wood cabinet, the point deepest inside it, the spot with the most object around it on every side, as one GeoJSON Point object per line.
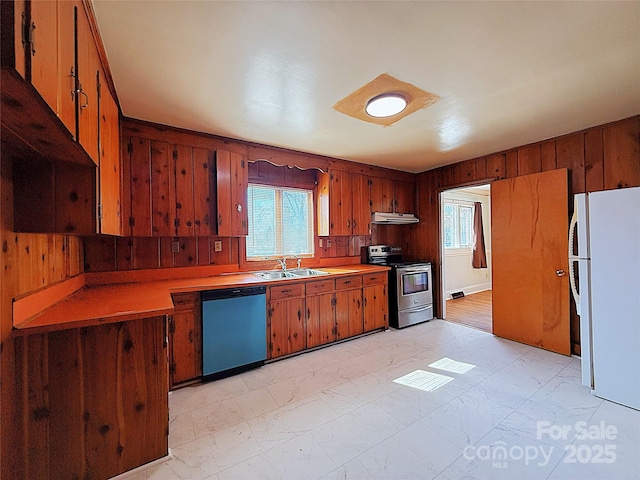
{"type": "Point", "coordinates": [285, 320]}
{"type": "Point", "coordinates": [185, 338]}
{"type": "Point", "coordinates": [93, 400]}
{"type": "Point", "coordinates": [376, 304]}
{"type": "Point", "coordinates": [321, 319]}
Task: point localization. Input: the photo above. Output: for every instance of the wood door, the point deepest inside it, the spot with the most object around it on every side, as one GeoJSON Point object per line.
{"type": "Point", "coordinates": [109, 178]}
{"type": "Point", "coordinates": [296, 337]}
{"type": "Point", "coordinates": [223, 193]}
{"type": "Point", "coordinates": [404, 193]}
{"type": "Point", "coordinates": [361, 204]}
{"type": "Point", "coordinates": [163, 204]}
{"type": "Point", "coordinates": [381, 194]}
{"type": "Point", "coordinates": [88, 65]}
{"type": "Point", "coordinates": [340, 197]}
{"type": "Point", "coordinates": [140, 166]}
{"type": "Point", "coordinates": [287, 327]}
{"type": "Point", "coordinates": [349, 320]}
{"type": "Point", "coordinates": [203, 192]}
{"type": "Point", "coordinates": [67, 65]}
{"type": "Point", "coordinates": [529, 224]}
{"type": "Point", "coordinates": [185, 199]}
{"type": "Point", "coordinates": [320, 312]}
{"type": "Point", "coordinates": [239, 187]}
{"type": "Point", "coordinates": [183, 362]}
{"type": "Point", "coordinates": [43, 50]}
{"type": "Point", "coordinates": [375, 307]}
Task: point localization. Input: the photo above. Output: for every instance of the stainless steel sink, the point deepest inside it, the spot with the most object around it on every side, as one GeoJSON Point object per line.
{"type": "Point", "coordinates": [295, 273]}
{"type": "Point", "coordinates": [273, 275]}
{"type": "Point", "coordinates": [306, 272]}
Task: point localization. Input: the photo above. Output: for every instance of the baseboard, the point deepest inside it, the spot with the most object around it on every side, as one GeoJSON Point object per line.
{"type": "Point", "coordinates": [469, 290]}
{"type": "Point", "coordinates": [131, 473]}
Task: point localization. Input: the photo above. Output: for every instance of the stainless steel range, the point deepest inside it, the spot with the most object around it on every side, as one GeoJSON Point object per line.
{"type": "Point", "coordinates": [410, 295]}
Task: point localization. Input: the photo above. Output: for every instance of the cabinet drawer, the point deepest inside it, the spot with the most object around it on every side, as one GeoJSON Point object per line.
{"type": "Point", "coordinates": [185, 300]}
{"type": "Point", "coordinates": [348, 282]}
{"type": "Point", "coordinates": [374, 278]}
{"type": "Point", "coordinates": [286, 291]}
{"type": "Point", "coordinates": [319, 286]}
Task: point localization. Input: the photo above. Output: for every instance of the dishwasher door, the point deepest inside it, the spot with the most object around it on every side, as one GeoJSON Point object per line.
{"type": "Point", "coordinates": [234, 331]}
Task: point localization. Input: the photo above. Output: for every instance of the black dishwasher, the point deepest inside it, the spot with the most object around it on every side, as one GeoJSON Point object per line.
{"type": "Point", "coordinates": [234, 331]}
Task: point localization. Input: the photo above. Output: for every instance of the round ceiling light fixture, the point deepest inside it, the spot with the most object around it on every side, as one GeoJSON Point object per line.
{"type": "Point", "coordinates": [386, 105]}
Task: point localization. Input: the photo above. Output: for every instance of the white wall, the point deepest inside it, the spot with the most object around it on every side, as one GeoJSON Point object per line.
{"type": "Point", "coordinates": [459, 275]}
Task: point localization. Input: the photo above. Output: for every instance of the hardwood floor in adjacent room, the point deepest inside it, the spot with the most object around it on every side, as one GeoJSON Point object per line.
{"type": "Point", "coordinates": [473, 311]}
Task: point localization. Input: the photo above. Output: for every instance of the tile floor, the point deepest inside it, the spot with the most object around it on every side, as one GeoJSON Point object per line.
{"type": "Point", "coordinates": [336, 414]}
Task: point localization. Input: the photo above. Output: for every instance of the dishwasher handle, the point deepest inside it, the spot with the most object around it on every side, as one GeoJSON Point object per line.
{"type": "Point", "coordinates": [232, 293]}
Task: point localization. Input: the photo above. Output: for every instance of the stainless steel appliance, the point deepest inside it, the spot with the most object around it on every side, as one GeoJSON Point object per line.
{"type": "Point", "coordinates": [410, 294]}
{"type": "Point", "coordinates": [234, 331]}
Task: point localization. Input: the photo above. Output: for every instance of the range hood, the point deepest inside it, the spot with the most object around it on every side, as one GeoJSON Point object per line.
{"type": "Point", "coordinates": [382, 218]}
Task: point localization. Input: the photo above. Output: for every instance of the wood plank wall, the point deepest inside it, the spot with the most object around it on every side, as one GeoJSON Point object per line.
{"type": "Point", "coordinates": [29, 262]}
{"type": "Point", "coordinates": [600, 158]}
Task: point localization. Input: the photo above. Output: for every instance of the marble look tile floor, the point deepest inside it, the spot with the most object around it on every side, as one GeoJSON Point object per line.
{"type": "Point", "coordinates": [336, 414]}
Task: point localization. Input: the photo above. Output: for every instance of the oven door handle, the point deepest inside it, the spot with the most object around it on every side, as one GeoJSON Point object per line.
{"type": "Point", "coordinates": [416, 270]}
{"type": "Point", "coordinates": [418, 309]}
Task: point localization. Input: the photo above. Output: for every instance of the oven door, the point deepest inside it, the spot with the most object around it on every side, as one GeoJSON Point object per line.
{"type": "Point", "coordinates": [414, 286]}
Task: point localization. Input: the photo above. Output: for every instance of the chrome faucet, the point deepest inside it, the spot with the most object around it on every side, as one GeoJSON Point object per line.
{"type": "Point", "coordinates": [299, 261]}
{"type": "Point", "coordinates": [283, 263]}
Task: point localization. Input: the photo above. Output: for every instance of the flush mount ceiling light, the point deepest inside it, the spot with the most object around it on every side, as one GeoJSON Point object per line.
{"type": "Point", "coordinates": [358, 103]}
{"type": "Point", "coordinates": [386, 105]}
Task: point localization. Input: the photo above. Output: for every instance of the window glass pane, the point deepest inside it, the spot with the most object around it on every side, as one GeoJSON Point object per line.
{"type": "Point", "coordinates": [261, 241]}
{"type": "Point", "coordinates": [280, 222]}
{"type": "Point", "coordinates": [466, 228]}
{"type": "Point", "coordinates": [450, 220]}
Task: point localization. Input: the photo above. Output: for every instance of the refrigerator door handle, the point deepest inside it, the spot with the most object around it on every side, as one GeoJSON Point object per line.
{"type": "Point", "coordinates": [572, 232]}
{"type": "Point", "coordinates": [572, 281]}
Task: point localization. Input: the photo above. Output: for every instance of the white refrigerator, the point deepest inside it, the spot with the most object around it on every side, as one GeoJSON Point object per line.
{"type": "Point", "coordinates": [605, 283]}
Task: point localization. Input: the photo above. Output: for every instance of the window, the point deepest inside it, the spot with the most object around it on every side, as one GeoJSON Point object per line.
{"type": "Point", "coordinates": [280, 222]}
{"type": "Point", "coordinates": [458, 225]}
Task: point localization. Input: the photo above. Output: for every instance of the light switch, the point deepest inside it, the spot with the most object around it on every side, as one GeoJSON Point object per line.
{"type": "Point", "coordinates": [175, 247]}
{"type": "Point", "coordinates": [217, 246]}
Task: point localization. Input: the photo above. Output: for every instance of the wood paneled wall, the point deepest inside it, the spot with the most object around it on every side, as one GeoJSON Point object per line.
{"type": "Point", "coordinates": [29, 262]}
{"type": "Point", "coordinates": [601, 158]}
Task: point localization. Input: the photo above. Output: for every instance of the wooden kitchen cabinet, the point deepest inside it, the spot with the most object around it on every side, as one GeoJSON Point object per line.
{"type": "Point", "coordinates": [375, 301]}
{"type": "Point", "coordinates": [204, 189]}
{"type": "Point", "coordinates": [392, 196]}
{"type": "Point", "coordinates": [232, 181]}
{"type": "Point", "coordinates": [343, 204]}
{"type": "Point", "coordinates": [109, 201]}
{"type": "Point", "coordinates": [67, 68]}
{"type": "Point", "coordinates": [193, 191]}
{"type": "Point", "coordinates": [42, 49]}
{"type": "Point", "coordinates": [349, 319]}
{"type": "Point", "coordinates": [185, 339]}
{"type": "Point", "coordinates": [321, 319]}
{"type": "Point", "coordinates": [285, 318]}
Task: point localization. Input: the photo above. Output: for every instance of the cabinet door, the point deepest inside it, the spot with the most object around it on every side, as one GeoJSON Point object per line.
{"type": "Point", "coordinates": [88, 65]}
{"type": "Point", "coordinates": [223, 193]}
{"type": "Point", "coordinates": [185, 199]}
{"type": "Point", "coordinates": [287, 327]}
{"type": "Point", "coordinates": [183, 364]}
{"type": "Point", "coordinates": [321, 319]}
{"type": "Point", "coordinates": [404, 197]}
{"type": "Point", "coordinates": [163, 204]}
{"type": "Point", "coordinates": [361, 205]}
{"type": "Point", "coordinates": [375, 307]}
{"type": "Point", "coordinates": [382, 195]}
{"type": "Point", "coordinates": [203, 191]}
{"type": "Point", "coordinates": [340, 199]}
{"type": "Point", "coordinates": [349, 320]}
{"type": "Point", "coordinates": [109, 171]}
{"type": "Point", "coordinates": [239, 186]}
{"type": "Point", "coordinates": [140, 167]}
{"type": "Point", "coordinates": [43, 50]}
{"type": "Point", "coordinates": [67, 11]}
{"type": "Point", "coordinates": [19, 16]}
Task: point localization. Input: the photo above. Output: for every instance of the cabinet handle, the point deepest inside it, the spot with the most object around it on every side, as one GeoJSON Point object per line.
{"type": "Point", "coordinates": [347, 282]}
{"type": "Point", "coordinates": [219, 219]}
{"type": "Point", "coordinates": [191, 336]}
{"type": "Point", "coordinates": [348, 223]}
{"type": "Point", "coordinates": [308, 313]}
{"type": "Point", "coordinates": [32, 38]}
{"type": "Point", "coordinates": [354, 224]}
{"type": "Point", "coordinates": [286, 292]}
{"type": "Point", "coordinates": [72, 74]}
{"type": "Point", "coordinates": [86, 97]}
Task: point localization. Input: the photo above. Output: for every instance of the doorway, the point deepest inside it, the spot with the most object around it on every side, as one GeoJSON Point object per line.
{"type": "Point", "coordinates": [467, 290]}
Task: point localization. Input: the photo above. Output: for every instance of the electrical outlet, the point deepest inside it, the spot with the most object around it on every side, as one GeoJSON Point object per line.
{"type": "Point", "coordinates": [175, 247]}
{"type": "Point", "coordinates": [217, 246]}
{"type": "Point", "coordinates": [328, 243]}
{"type": "Point", "coordinates": [320, 242]}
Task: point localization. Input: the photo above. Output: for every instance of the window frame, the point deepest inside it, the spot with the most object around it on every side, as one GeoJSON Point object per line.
{"type": "Point", "coordinates": [457, 248]}
{"type": "Point", "coordinates": [270, 264]}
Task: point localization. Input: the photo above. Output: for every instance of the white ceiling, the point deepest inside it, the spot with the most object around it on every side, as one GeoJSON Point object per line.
{"type": "Point", "coordinates": [508, 73]}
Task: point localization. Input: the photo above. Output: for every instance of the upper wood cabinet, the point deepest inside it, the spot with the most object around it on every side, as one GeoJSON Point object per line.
{"type": "Point", "coordinates": [392, 196]}
{"type": "Point", "coordinates": [343, 204]}
{"type": "Point", "coordinates": [67, 68]}
{"type": "Point", "coordinates": [232, 180]}
{"type": "Point", "coordinates": [42, 49]}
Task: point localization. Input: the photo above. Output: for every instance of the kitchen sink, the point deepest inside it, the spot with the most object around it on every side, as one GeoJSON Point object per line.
{"type": "Point", "coordinates": [306, 272]}
{"type": "Point", "coordinates": [295, 273]}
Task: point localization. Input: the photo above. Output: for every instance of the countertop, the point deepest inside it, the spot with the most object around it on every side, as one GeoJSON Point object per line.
{"type": "Point", "coordinates": [118, 302]}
